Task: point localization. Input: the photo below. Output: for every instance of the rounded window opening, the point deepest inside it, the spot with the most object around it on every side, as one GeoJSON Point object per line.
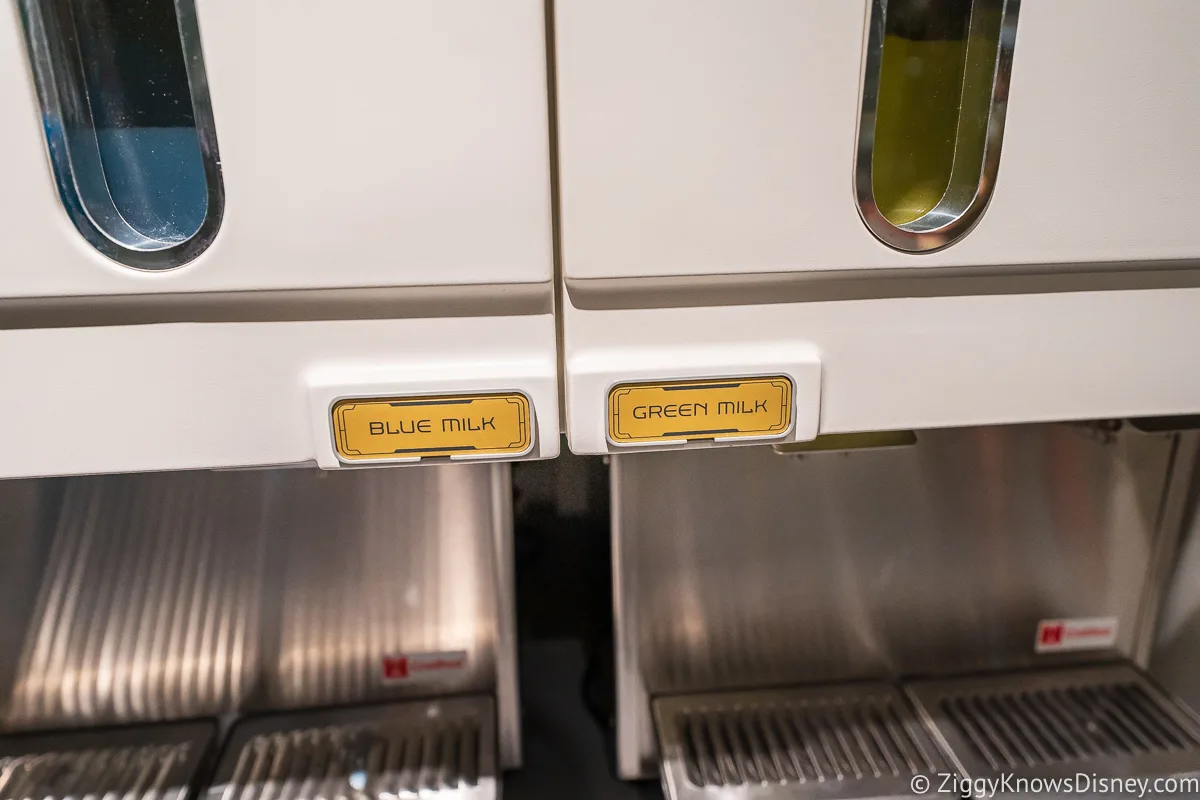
{"type": "Point", "coordinates": [935, 93]}
{"type": "Point", "coordinates": [128, 125]}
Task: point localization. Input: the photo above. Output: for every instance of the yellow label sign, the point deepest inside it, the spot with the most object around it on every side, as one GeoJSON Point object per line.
{"type": "Point", "coordinates": [726, 408]}
{"type": "Point", "coordinates": [410, 427]}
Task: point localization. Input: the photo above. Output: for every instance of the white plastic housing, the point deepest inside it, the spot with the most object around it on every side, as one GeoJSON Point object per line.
{"type": "Point", "coordinates": [707, 154]}
{"type": "Point", "coordinates": [394, 149]}
{"type": "Point", "coordinates": [707, 137]}
{"type": "Point", "coordinates": [400, 143]}
{"type": "Point", "coordinates": [134, 398]}
{"type": "Point", "coordinates": [906, 363]}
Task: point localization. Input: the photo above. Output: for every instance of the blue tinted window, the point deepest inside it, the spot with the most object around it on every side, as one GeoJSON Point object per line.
{"type": "Point", "coordinates": [128, 124]}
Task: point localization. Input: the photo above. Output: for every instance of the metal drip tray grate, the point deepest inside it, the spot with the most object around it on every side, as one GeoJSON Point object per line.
{"type": "Point", "coordinates": [442, 749]}
{"type": "Point", "coordinates": [842, 742]}
{"type": "Point", "coordinates": [155, 763]}
{"type": "Point", "coordinates": [1105, 720]}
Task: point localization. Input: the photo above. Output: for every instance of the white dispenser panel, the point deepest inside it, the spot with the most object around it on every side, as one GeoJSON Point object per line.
{"type": "Point", "coordinates": [401, 144]}
{"type": "Point", "coordinates": [710, 156]}
{"type": "Point", "coordinates": [709, 138]}
{"type": "Point", "coordinates": [377, 231]}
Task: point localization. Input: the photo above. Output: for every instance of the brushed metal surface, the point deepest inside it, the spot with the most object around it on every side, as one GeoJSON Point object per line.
{"type": "Point", "coordinates": [443, 750]}
{"type": "Point", "coordinates": [375, 563]}
{"type": "Point", "coordinates": [830, 742]}
{"type": "Point", "coordinates": [1104, 720]}
{"type": "Point", "coordinates": [1175, 648]}
{"type": "Point", "coordinates": [23, 506]}
{"type": "Point", "coordinates": [148, 601]}
{"type": "Point", "coordinates": [741, 568]}
{"type": "Point", "coordinates": [173, 595]}
{"type": "Point", "coordinates": [160, 762]}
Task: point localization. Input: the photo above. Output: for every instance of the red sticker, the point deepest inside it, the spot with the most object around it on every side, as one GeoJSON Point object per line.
{"type": "Point", "coordinates": [1061, 635]}
{"type": "Point", "coordinates": [410, 667]}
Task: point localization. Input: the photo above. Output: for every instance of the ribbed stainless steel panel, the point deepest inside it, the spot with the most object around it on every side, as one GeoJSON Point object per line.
{"type": "Point", "coordinates": [149, 763]}
{"type": "Point", "coordinates": [443, 749]}
{"type": "Point", "coordinates": [829, 742]}
{"type": "Point", "coordinates": [149, 601]}
{"type": "Point", "coordinates": [177, 595]}
{"type": "Point", "coordinates": [23, 506]}
{"type": "Point", "coordinates": [1105, 721]}
{"type": "Point", "coordinates": [740, 568]}
{"type": "Point", "coordinates": [1174, 650]}
{"type": "Point", "coordinates": [375, 566]}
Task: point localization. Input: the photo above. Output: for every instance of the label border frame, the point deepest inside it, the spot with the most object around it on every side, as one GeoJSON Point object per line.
{"type": "Point", "coordinates": [331, 427]}
{"type": "Point", "coordinates": [728, 440]}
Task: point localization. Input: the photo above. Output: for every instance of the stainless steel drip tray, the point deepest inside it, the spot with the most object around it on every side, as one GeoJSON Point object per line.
{"type": "Point", "coordinates": [850, 741]}
{"type": "Point", "coordinates": [442, 748]}
{"type": "Point", "coordinates": [153, 762]}
{"type": "Point", "coordinates": [1086, 725]}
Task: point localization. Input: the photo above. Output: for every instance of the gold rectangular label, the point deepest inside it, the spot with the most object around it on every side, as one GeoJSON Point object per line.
{"type": "Point", "coordinates": [726, 408]}
{"type": "Point", "coordinates": [371, 429]}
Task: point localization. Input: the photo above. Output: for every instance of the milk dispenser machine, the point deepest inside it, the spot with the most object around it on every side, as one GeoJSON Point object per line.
{"type": "Point", "coordinates": [935, 259]}
{"type": "Point", "coordinates": [878, 317]}
{"type": "Point", "coordinates": [262, 235]}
